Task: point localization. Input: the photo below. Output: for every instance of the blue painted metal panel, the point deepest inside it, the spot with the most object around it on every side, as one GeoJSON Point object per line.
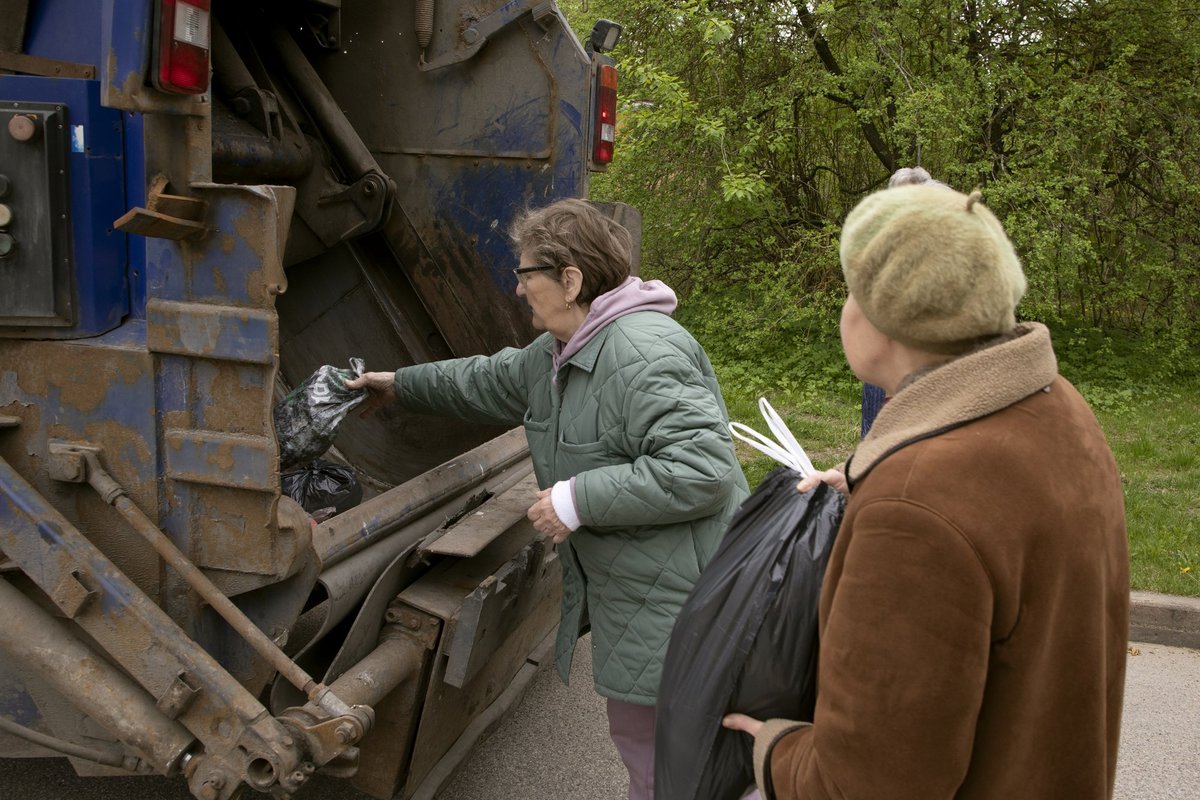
{"type": "Point", "coordinates": [220, 460]}
{"type": "Point", "coordinates": [64, 30]}
{"type": "Point", "coordinates": [126, 29]}
{"type": "Point", "coordinates": [112, 34]}
{"type": "Point", "coordinates": [206, 331]}
{"type": "Point", "coordinates": [483, 198]}
{"type": "Point", "coordinates": [484, 201]}
{"type": "Point", "coordinates": [135, 196]}
{"type": "Point", "coordinates": [96, 173]}
{"type": "Point", "coordinates": [85, 388]}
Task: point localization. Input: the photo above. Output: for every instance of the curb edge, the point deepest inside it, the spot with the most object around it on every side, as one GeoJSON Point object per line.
{"type": "Point", "coordinates": [1164, 619]}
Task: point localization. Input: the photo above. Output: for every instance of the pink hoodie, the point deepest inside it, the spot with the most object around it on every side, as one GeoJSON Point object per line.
{"type": "Point", "coordinates": [632, 295]}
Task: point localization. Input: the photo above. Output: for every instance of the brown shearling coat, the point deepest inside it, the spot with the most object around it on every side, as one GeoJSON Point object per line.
{"type": "Point", "coordinates": [975, 612]}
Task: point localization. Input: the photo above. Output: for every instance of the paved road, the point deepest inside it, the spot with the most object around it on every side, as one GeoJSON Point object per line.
{"type": "Point", "coordinates": [558, 729]}
{"type": "Point", "coordinates": [1160, 734]}
{"type": "Point", "coordinates": [555, 747]}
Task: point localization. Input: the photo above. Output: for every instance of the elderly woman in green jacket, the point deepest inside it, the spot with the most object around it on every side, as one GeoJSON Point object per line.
{"type": "Point", "coordinates": [628, 434]}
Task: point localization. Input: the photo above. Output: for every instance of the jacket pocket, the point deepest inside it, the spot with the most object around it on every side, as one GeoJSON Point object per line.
{"type": "Point", "coordinates": [541, 448]}
{"type": "Point", "coordinates": [572, 459]}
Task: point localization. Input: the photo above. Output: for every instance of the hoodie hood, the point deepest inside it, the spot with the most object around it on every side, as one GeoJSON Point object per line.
{"type": "Point", "coordinates": [631, 296]}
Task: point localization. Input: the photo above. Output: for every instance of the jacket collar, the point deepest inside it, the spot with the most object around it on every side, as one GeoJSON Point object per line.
{"type": "Point", "coordinates": [968, 388]}
{"type": "Point", "coordinates": [586, 356]}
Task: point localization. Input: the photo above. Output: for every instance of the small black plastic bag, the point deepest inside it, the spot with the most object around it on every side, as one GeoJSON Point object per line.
{"type": "Point", "coordinates": [323, 484]}
{"type": "Point", "coordinates": [306, 421]}
{"type": "Point", "coordinates": [746, 639]}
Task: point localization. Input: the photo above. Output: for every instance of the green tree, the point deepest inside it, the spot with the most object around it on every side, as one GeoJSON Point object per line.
{"type": "Point", "coordinates": [748, 129]}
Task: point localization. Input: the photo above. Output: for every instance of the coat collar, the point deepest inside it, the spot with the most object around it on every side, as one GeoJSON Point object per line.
{"type": "Point", "coordinates": [972, 386]}
{"type": "Point", "coordinates": [585, 357]}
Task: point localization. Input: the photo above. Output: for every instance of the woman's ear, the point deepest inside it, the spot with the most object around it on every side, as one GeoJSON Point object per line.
{"type": "Point", "coordinates": [572, 282]}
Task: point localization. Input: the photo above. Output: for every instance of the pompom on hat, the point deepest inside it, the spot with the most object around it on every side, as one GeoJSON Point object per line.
{"type": "Point", "coordinates": [931, 267]}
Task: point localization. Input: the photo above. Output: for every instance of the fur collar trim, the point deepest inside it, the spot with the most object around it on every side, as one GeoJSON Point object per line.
{"type": "Point", "coordinates": [972, 386]}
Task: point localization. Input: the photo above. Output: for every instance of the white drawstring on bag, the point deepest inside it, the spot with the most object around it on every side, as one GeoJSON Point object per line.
{"type": "Point", "coordinates": [783, 448]}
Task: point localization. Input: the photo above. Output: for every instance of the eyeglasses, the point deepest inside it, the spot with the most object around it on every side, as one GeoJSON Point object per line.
{"type": "Point", "coordinates": [522, 273]}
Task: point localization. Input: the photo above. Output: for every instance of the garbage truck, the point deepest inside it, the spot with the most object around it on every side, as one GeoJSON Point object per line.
{"type": "Point", "coordinates": [202, 202]}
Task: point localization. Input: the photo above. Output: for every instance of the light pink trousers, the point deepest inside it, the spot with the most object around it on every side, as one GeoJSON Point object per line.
{"type": "Point", "coordinates": [632, 730]}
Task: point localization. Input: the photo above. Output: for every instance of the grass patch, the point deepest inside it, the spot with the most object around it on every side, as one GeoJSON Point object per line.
{"type": "Point", "coordinates": [825, 425]}
{"type": "Point", "coordinates": [1155, 442]}
{"type": "Point", "coordinates": [1154, 433]}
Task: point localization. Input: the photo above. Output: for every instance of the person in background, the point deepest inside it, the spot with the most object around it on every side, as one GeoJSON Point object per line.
{"type": "Point", "coordinates": [873, 399]}
{"type": "Point", "coordinates": [629, 438]}
{"type": "Point", "coordinates": [974, 615]}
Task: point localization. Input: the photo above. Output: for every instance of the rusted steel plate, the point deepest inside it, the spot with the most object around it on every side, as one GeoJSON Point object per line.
{"type": "Point", "coordinates": [144, 222]}
{"type": "Point", "coordinates": [449, 710]}
{"type": "Point", "coordinates": [174, 205]}
{"type": "Point", "coordinates": [209, 331]}
{"type": "Point", "coordinates": [355, 529]}
{"type": "Point", "coordinates": [482, 526]}
{"type": "Point", "coordinates": [48, 67]}
{"type": "Point", "coordinates": [218, 459]}
{"type": "Point", "coordinates": [98, 390]}
{"type": "Point", "coordinates": [491, 613]}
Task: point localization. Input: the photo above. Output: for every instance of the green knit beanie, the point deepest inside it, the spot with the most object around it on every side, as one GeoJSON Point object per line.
{"type": "Point", "coordinates": [931, 267]}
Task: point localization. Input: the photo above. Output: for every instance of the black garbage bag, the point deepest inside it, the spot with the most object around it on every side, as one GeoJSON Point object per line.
{"type": "Point", "coordinates": [323, 484]}
{"type": "Point", "coordinates": [306, 421]}
{"type": "Point", "coordinates": [746, 639]}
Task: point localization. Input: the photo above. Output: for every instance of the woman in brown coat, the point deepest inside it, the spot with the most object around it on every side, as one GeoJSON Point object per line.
{"type": "Point", "coordinates": [974, 615]}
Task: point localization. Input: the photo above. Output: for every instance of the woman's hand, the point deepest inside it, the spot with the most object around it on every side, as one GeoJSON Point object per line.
{"type": "Point", "coordinates": [740, 722]}
{"type": "Point", "coordinates": [833, 477]}
{"type": "Point", "coordinates": [381, 388]}
{"type": "Point", "coordinates": [545, 519]}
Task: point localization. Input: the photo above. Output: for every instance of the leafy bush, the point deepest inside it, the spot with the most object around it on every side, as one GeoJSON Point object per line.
{"type": "Point", "coordinates": [747, 130]}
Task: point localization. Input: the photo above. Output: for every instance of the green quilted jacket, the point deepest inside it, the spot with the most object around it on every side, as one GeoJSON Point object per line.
{"type": "Point", "coordinates": [637, 418]}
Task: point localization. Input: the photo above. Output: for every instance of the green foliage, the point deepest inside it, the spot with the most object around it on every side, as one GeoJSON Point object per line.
{"type": "Point", "coordinates": [1118, 373]}
{"type": "Point", "coordinates": [748, 129]}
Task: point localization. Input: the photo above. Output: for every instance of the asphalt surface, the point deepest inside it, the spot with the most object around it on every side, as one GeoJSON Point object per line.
{"type": "Point", "coordinates": [1160, 731]}
{"type": "Point", "coordinates": [555, 746]}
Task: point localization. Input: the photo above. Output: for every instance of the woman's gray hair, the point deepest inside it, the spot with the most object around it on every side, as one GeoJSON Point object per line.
{"type": "Point", "coordinates": [574, 232]}
{"type": "Point", "coordinates": [912, 176]}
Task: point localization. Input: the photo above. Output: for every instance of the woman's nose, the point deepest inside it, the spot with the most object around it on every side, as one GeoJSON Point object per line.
{"type": "Point", "coordinates": [520, 288]}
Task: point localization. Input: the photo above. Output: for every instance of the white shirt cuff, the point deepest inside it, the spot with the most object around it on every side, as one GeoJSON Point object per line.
{"type": "Point", "coordinates": [564, 505]}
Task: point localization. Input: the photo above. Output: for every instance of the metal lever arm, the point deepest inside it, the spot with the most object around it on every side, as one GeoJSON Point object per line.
{"type": "Point", "coordinates": [114, 494]}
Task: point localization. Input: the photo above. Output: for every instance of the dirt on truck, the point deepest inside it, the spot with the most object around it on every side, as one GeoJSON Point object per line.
{"type": "Point", "coordinates": [202, 204]}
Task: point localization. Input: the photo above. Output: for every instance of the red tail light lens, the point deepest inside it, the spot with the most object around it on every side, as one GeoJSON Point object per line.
{"type": "Point", "coordinates": [606, 114]}
{"type": "Point", "coordinates": [184, 34]}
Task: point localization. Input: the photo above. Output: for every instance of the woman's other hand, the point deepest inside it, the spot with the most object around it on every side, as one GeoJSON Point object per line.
{"type": "Point", "coordinates": [545, 520]}
{"type": "Point", "coordinates": [380, 386]}
{"type": "Point", "coordinates": [740, 722]}
{"type": "Point", "coordinates": [833, 477]}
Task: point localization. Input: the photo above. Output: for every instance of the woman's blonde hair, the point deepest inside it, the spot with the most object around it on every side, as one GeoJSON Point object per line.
{"type": "Point", "coordinates": [574, 232]}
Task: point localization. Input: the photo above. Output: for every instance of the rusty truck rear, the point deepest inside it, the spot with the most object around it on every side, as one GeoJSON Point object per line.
{"type": "Point", "coordinates": [202, 202]}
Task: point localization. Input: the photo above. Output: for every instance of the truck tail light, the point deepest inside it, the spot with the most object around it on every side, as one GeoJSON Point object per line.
{"type": "Point", "coordinates": [606, 114]}
{"type": "Point", "coordinates": [184, 34]}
